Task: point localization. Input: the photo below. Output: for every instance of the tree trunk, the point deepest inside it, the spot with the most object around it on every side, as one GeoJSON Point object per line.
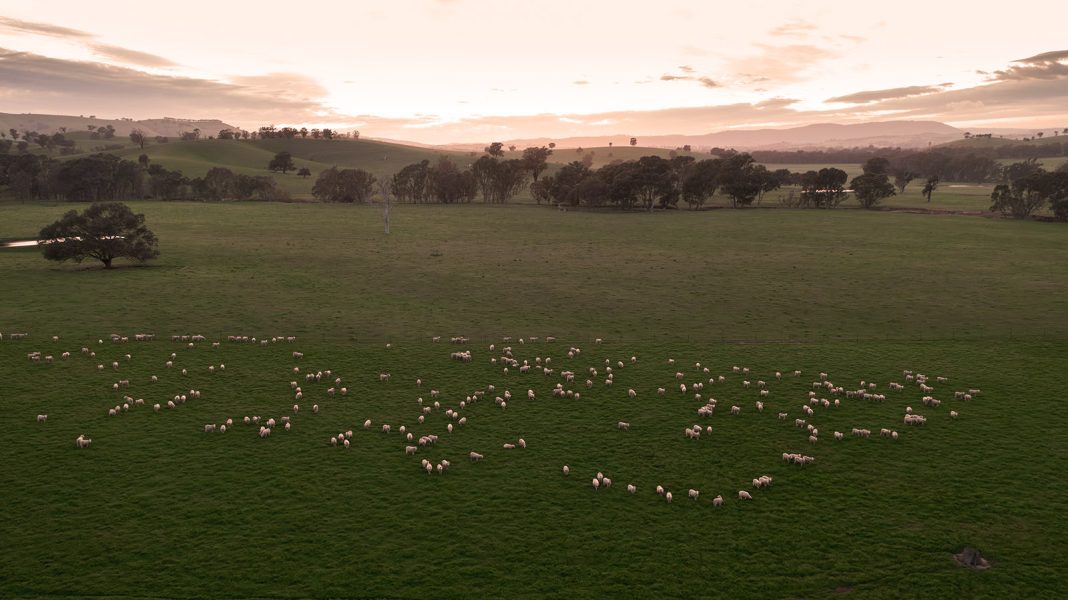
{"type": "Point", "coordinates": [107, 263]}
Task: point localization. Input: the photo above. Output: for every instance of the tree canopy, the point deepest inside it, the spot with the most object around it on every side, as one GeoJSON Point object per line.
{"type": "Point", "coordinates": [104, 231]}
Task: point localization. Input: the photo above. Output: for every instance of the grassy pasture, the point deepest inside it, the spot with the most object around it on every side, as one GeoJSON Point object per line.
{"type": "Point", "coordinates": [157, 508]}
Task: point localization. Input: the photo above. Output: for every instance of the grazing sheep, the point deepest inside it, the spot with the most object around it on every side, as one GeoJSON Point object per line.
{"type": "Point", "coordinates": [596, 483]}
{"type": "Point", "coordinates": [567, 470]}
{"type": "Point", "coordinates": [42, 418]}
{"type": "Point", "coordinates": [288, 425]}
{"type": "Point", "coordinates": [385, 428]}
{"type": "Point", "coordinates": [347, 443]}
{"type": "Point", "coordinates": [475, 456]}
{"type": "Point", "coordinates": [410, 450]}
{"type": "Point", "coordinates": [717, 501]}
{"type": "Point", "coordinates": [509, 446]}
{"type": "Point", "coordinates": [82, 442]}
{"type": "Point", "coordinates": [667, 497]}
{"type": "Point", "coordinates": [522, 443]}
{"type": "Point", "coordinates": [692, 493]}
{"type": "Point", "coordinates": [736, 410]}
{"type": "Point", "coordinates": [660, 490]}
{"type": "Point", "coordinates": [623, 425]}
{"type": "Point", "coordinates": [744, 495]}
{"type": "Point", "coordinates": [606, 482]}
{"type": "Point", "coordinates": [631, 489]}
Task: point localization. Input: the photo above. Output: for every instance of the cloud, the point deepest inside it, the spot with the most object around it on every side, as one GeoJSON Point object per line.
{"type": "Point", "coordinates": [876, 95]}
{"type": "Point", "coordinates": [580, 82]}
{"type": "Point", "coordinates": [41, 28]}
{"type": "Point", "coordinates": [1047, 65]}
{"type": "Point", "coordinates": [781, 63]}
{"type": "Point", "coordinates": [133, 57]}
{"type": "Point", "coordinates": [795, 28]}
{"type": "Point", "coordinates": [686, 68]}
{"type": "Point", "coordinates": [35, 83]}
{"type": "Point", "coordinates": [115, 53]}
{"type": "Point", "coordinates": [707, 82]}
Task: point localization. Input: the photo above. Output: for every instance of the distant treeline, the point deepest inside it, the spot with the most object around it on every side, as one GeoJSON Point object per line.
{"type": "Point", "coordinates": [861, 155]}
{"type": "Point", "coordinates": [106, 177]}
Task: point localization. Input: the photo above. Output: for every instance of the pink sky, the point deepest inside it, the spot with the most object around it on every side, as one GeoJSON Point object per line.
{"type": "Point", "coordinates": [439, 71]}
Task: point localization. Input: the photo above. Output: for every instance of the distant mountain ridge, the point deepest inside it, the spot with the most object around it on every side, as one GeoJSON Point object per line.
{"type": "Point", "coordinates": [906, 134]}
{"type": "Point", "coordinates": [166, 126]}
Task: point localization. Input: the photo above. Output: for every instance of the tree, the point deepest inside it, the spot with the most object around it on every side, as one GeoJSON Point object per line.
{"type": "Point", "coordinates": [217, 184]}
{"type": "Point", "coordinates": [930, 187]}
{"type": "Point", "coordinates": [701, 182]}
{"type": "Point", "coordinates": [536, 160]}
{"type": "Point", "coordinates": [738, 179]}
{"type": "Point", "coordinates": [143, 160]}
{"type": "Point", "coordinates": [303, 132]}
{"type": "Point", "coordinates": [304, 172]}
{"type": "Point", "coordinates": [346, 185]}
{"type": "Point", "coordinates": [138, 137]}
{"type": "Point", "coordinates": [496, 149]}
{"type": "Point", "coordinates": [633, 141]}
{"type": "Point", "coordinates": [824, 188]}
{"type": "Point", "coordinates": [551, 144]}
{"type": "Point", "coordinates": [902, 177]}
{"type": "Point", "coordinates": [104, 231]}
{"type": "Point", "coordinates": [876, 166]}
{"type": "Point", "coordinates": [283, 161]}
{"type": "Point", "coordinates": [511, 148]}
{"type": "Point", "coordinates": [871, 188]}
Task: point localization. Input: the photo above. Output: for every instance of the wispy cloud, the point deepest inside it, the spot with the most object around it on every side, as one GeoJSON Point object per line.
{"type": "Point", "coordinates": [795, 28]}
{"type": "Point", "coordinates": [1048, 65]}
{"type": "Point", "coordinates": [783, 63]}
{"type": "Point", "coordinates": [876, 95]}
{"type": "Point", "coordinates": [707, 82]}
{"type": "Point", "coordinates": [132, 57]}
{"type": "Point", "coordinates": [115, 53]}
{"type": "Point", "coordinates": [35, 83]}
{"type": "Point", "coordinates": [41, 28]}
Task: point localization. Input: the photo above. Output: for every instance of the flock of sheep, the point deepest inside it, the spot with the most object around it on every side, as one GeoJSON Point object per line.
{"type": "Point", "coordinates": [325, 386]}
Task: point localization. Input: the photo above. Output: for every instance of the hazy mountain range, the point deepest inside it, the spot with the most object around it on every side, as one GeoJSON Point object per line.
{"type": "Point", "coordinates": [905, 134]}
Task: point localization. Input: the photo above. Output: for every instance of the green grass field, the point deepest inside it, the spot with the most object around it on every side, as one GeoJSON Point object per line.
{"type": "Point", "coordinates": [158, 508]}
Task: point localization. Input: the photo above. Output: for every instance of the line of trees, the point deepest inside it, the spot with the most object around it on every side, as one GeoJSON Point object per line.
{"type": "Point", "coordinates": [106, 177]}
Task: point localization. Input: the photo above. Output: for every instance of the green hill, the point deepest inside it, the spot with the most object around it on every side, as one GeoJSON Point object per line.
{"type": "Point", "coordinates": [251, 157]}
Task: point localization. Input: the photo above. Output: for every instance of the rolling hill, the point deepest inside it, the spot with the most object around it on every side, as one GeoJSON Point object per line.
{"type": "Point", "coordinates": [164, 126]}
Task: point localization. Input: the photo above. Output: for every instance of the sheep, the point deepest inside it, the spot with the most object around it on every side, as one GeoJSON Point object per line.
{"type": "Point", "coordinates": [346, 443]}
{"type": "Point", "coordinates": [222, 428]}
{"type": "Point", "coordinates": [692, 493]}
{"type": "Point", "coordinates": [953, 414]}
{"type": "Point", "coordinates": [838, 435]}
{"type": "Point", "coordinates": [385, 428]}
{"type": "Point", "coordinates": [509, 446]}
{"type": "Point", "coordinates": [522, 443]}
{"type": "Point", "coordinates": [660, 490]}
{"type": "Point", "coordinates": [596, 483]}
{"type": "Point", "coordinates": [475, 456]}
{"type": "Point", "coordinates": [623, 425]}
{"type": "Point", "coordinates": [566, 470]}
{"type": "Point", "coordinates": [736, 410]}
{"type": "Point", "coordinates": [631, 489]}
{"type": "Point", "coordinates": [782, 416]}
{"type": "Point", "coordinates": [744, 495]}
{"type": "Point", "coordinates": [667, 497]}
{"type": "Point", "coordinates": [209, 428]}
{"type": "Point", "coordinates": [717, 501]}
{"type": "Point", "coordinates": [606, 482]}
{"type": "Point", "coordinates": [287, 425]}
{"type": "Point", "coordinates": [410, 450]}
{"type": "Point", "coordinates": [82, 442]}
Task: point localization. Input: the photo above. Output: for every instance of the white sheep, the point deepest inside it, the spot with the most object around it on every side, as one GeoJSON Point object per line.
{"type": "Point", "coordinates": [717, 501]}
{"type": "Point", "coordinates": [42, 418]}
{"type": "Point", "coordinates": [744, 495]}
{"type": "Point", "coordinates": [692, 493]}
{"type": "Point", "coordinates": [631, 489]}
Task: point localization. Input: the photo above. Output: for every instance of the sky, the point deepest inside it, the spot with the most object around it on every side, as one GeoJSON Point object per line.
{"type": "Point", "coordinates": [441, 71]}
